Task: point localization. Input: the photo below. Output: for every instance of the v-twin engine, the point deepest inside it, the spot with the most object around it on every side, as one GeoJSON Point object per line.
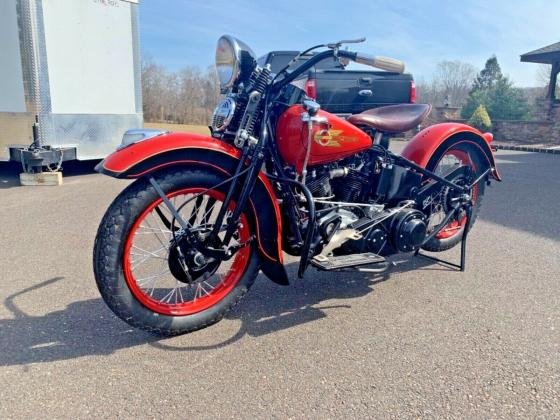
{"type": "Point", "coordinates": [382, 231]}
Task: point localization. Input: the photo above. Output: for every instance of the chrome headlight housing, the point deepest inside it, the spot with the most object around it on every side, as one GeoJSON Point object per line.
{"type": "Point", "coordinates": [223, 114]}
{"type": "Point", "coordinates": [233, 57]}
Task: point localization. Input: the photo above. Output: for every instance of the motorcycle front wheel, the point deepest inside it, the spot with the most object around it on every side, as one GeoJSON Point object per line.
{"type": "Point", "coordinates": [145, 271]}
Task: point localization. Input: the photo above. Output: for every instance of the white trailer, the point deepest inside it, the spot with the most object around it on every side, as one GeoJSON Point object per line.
{"type": "Point", "coordinates": [73, 68]}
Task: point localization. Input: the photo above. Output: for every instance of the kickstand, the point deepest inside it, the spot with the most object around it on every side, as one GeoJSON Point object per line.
{"type": "Point", "coordinates": [462, 264]}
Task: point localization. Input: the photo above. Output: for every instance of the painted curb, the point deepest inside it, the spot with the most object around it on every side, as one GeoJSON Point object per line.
{"type": "Point", "coordinates": [527, 149]}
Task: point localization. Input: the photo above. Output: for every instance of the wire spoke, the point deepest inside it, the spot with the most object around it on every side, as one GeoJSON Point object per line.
{"type": "Point", "coordinates": [142, 280]}
{"type": "Point", "coordinates": [136, 264]}
{"type": "Point", "coordinates": [151, 230]}
{"type": "Point", "coordinates": [146, 252]}
{"type": "Point", "coordinates": [210, 286]}
{"type": "Point", "coordinates": [160, 225]}
{"type": "Point", "coordinates": [181, 294]}
{"type": "Point", "coordinates": [199, 289]}
{"type": "Point", "coordinates": [205, 217]}
{"type": "Point", "coordinates": [157, 235]}
{"type": "Point", "coordinates": [151, 286]}
{"type": "Point", "coordinates": [196, 292]}
{"type": "Point", "coordinates": [167, 297]}
{"type": "Point", "coordinates": [197, 206]}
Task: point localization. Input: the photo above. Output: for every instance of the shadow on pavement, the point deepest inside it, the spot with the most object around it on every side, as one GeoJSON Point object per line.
{"type": "Point", "coordinates": [82, 328]}
{"type": "Point", "coordinates": [87, 327]}
{"type": "Point", "coordinates": [269, 308]}
{"type": "Point", "coordinates": [9, 171]}
{"type": "Point", "coordinates": [9, 175]}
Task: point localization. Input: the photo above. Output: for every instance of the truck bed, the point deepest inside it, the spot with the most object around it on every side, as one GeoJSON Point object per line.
{"type": "Point", "coordinates": [346, 92]}
{"type": "Point", "coordinates": [353, 91]}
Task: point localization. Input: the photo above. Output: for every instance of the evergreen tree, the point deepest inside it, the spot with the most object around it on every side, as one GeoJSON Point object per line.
{"type": "Point", "coordinates": [506, 102]}
{"type": "Point", "coordinates": [480, 119]}
{"type": "Point", "coordinates": [497, 94]}
{"type": "Point", "coordinates": [474, 100]}
{"type": "Point", "coordinates": [489, 75]}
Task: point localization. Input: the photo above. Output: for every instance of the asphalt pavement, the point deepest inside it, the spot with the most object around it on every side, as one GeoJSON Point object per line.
{"type": "Point", "coordinates": [423, 341]}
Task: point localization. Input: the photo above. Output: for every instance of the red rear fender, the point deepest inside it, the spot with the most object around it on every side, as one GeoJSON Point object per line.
{"type": "Point", "coordinates": [431, 140]}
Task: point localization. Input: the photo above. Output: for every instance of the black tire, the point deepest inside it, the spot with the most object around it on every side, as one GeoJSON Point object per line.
{"type": "Point", "coordinates": [444, 244]}
{"type": "Point", "coordinates": [108, 257]}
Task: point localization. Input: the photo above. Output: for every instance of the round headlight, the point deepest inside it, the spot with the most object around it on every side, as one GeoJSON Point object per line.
{"type": "Point", "coordinates": [234, 60]}
{"type": "Point", "coordinates": [227, 61]}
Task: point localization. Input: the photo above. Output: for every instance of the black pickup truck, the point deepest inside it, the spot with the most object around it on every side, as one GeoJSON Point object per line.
{"type": "Point", "coordinates": [345, 92]}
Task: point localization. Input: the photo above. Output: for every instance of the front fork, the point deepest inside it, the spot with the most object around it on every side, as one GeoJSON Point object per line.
{"type": "Point", "coordinates": [248, 183]}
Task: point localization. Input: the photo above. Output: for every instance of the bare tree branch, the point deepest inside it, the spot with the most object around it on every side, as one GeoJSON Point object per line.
{"type": "Point", "coordinates": [188, 96]}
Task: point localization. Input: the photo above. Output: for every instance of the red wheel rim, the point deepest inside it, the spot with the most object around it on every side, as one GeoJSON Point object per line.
{"type": "Point", "coordinates": [170, 304]}
{"type": "Point", "coordinates": [455, 227]}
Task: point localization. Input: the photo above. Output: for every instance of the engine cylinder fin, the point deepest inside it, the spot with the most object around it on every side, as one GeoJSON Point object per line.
{"type": "Point", "coordinates": [319, 184]}
{"type": "Point", "coordinates": [351, 186]}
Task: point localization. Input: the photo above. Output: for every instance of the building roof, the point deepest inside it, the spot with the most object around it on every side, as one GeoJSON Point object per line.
{"type": "Point", "coordinates": [548, 54]}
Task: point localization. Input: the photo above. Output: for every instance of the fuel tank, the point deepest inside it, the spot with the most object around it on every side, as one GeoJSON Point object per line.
{"type": "Point", "coordinates": [330, 141]}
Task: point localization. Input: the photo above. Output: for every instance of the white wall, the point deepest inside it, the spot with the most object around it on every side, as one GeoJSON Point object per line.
{"type": "Point", "coordinates": [89, 50]}
{"type": "Point", "coordinates": [12, 97]}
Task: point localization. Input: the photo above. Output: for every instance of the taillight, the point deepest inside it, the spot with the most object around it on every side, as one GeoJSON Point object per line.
{"type": "Point", "coordinates": [412, 92]}
{"type": "Point", "coordinates": [311, 88]}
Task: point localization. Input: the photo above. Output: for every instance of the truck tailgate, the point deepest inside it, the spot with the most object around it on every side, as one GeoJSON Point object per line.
{"type": "Point", "coordinates": [354, 91]}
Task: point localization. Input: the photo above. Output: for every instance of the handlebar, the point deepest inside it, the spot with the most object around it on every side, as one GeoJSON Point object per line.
{"type": "Point", "coordinates": [384, 63]}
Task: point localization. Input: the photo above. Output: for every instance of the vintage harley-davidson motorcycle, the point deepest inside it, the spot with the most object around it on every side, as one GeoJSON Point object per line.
{"type": "Point", "coordinates": [180, 246]}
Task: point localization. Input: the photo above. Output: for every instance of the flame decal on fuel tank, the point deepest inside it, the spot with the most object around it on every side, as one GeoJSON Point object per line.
{"type": "Point", "coordinates": [332, 138]}
{"type": "Point", "coordinates": [330, 143]}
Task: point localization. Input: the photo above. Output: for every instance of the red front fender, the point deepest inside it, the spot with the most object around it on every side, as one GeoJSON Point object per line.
{"type": "Point", "coordinates": [127, 162]}
{"type": "Point", "coordinates": [188, 149]}
{"type": "Point", "coordinates": [424, 145]}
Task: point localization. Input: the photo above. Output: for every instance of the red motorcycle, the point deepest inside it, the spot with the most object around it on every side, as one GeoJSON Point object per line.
{"type": "Point", "coordinates": [180, 246]}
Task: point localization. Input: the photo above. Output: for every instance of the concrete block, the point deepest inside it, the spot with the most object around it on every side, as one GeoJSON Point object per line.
{"type": "Point", "coordinates": [43, 178]}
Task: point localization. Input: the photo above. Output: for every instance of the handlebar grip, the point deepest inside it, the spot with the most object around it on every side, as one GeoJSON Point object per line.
{"type": "Point", "coordinates": [384, 63]}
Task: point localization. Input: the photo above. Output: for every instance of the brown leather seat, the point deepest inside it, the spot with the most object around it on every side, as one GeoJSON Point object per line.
{"type": "Point", "coordinates": [392, 118]}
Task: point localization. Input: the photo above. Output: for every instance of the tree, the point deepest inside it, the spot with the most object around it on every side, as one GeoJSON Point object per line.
{"type": "Point", "coordinates": [475, 99]}
{"type": "Point", "coordinates": [454, 80]}
{"type": "Point", "coordinates": [489, 75]}
{"type": "Point", "coordinates": [480, 119]}
{"type": "Point", "coordinates": [184, 97]}
{"type": "Point", "coordinates": [506, 102]}
{"type": "Point", "coordinates": [153, 89]}
{"type": "Point", "coordinates": [428, 92]}
{"type": "Point", "coordinates": [498, 95]}
{"type": "Point", "coordinates": [543, 79]}
{"type": "Point", "coordinates": [543, 74]}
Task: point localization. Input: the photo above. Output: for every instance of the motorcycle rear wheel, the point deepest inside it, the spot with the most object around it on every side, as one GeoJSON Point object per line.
{"type": "Point", "coordinates": [136, 262]}
{"type": "Point", "coordinates": [445, 162]}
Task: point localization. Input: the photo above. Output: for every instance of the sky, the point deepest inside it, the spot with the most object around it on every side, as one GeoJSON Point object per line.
{"type": "Point", "coordinates": [181, 33]}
